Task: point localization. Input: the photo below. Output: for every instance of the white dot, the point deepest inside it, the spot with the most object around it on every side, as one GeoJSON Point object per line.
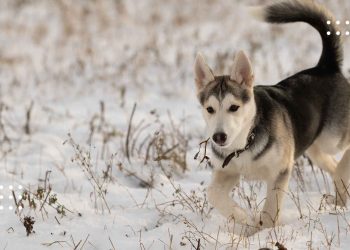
{"type": "Point", "coordinates": [1, 207]}
{"type": "Point", "coordinates": [10, 207]}
{"type": "Point", "coordinates": [10, 187]}
{"type": "Point", "coordinates": [10, 197]}
{"type": "Point", "coordinates": [338, 33]}
{"type": "Point", "coordinates": [347, 33]}
{"type": "Point", "coordinates": [347, 22]}
{"type": "Point", "coordinates": [1, 187]}
{"type": "Point", "coordinates": [328, 33]}
{"type": "Point", "coordinates": [20, 207]}
{"type": "Point", "coordinates": [20, 187]}
{"type": "Point", "coordinates": [337, 22]}
{"type": "Point", "coordinates": [19, 197]}
{"type": "Point", "coordinates": [329, 22]}
{"type": "Point", "coordinates": [1, 197]}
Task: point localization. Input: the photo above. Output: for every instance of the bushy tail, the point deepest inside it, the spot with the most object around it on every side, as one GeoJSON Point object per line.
{"type": "Point", "coordinates": [288, 11]}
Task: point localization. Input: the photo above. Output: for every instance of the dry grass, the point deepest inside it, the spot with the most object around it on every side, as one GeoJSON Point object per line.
{"type": "Point", "coordinates": [151, 145]}
{"type": "Point", "coordinates": [98, 180]}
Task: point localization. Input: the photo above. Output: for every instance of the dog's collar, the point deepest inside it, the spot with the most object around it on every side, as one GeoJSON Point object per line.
{"type": "Point", "coordinates": [250, 140]}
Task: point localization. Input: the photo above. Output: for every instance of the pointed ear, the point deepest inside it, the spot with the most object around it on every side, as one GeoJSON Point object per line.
{"type": "Point", "coordinates": [242, 71]}
{"type": "Point", "coordinates": [203, 73]}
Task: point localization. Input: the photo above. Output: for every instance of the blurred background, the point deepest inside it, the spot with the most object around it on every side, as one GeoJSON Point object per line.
{"type": "Point", "coordinates": [134, 45]}
{"type": "Point", "coordinates": [116, 76]}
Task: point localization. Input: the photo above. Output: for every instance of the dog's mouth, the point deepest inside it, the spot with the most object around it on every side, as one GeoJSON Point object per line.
{"type": "Point", "coordinates": [220, 145]}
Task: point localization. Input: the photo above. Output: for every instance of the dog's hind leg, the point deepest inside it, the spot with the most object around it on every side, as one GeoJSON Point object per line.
{"type": "Point", "coordinates": [341, 179]}
{"type": "Point", "coordinates": [324, 161]}
{"type": "Point", "coordinates": [218, 195]}
{"type": "Point", "coordinates": [340, 173]}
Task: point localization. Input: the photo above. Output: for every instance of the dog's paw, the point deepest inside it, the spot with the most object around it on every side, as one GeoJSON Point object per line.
{"type": "Point", "coordinates": [252, 226]}
{"type": "Point", "coordinates": [329, 199]}
{"type": "Point", "coordinates": [239, 215]}
{"type": "Point", "coordinates": [258, 223]}
{"type": "Point", "coordinates": [245, 228]}
{"type": "Point", "coordinates": [250, 230]}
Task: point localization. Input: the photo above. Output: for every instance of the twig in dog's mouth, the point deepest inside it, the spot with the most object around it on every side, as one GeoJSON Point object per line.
{"type": "Point", "coordinates": [205, 157]}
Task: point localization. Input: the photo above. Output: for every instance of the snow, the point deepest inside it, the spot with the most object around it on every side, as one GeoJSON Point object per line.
{"type": "Point", "coordinates": [68, 57]}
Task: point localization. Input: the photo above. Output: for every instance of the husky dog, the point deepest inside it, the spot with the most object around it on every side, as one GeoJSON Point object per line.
{"type": "Point", "coordinates": [258, 131]}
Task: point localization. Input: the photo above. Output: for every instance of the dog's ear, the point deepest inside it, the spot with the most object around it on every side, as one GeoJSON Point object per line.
{"type": "Point", "coordinates": [242, 71]}
{"type": "Point", "coordinates": [203, 73]}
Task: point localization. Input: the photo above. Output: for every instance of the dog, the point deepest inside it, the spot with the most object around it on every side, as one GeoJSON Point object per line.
{"type": "Point", "coordinates": [258, 131]}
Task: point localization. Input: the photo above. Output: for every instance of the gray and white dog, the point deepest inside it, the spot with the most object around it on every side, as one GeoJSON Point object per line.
{"type": "Point", "coordinates": [258, 131]}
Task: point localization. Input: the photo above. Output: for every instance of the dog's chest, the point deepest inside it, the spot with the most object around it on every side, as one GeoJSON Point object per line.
{"type": "Point", "coordinates": [251, 169]}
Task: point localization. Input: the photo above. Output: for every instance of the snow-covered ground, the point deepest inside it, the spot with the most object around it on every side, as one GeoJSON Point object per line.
{"type": "Point", "coordinates": [102, 173]}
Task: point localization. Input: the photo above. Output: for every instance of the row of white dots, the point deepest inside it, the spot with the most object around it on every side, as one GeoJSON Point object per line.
{"type": "Point", "coordinates": [347, 22]}
{"type": "Point", "coordinates": [11, 187]}
{"type": "Point", "coordinates": [10, 207]}
{"type": "Point", "coordinates": [338, 33]}
{"type": "Point", "coordinates": [10, 197]}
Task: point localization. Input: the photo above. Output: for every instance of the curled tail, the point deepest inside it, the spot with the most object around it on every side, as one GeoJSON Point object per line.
{"type": "Point", "coordinates": [308, 11]}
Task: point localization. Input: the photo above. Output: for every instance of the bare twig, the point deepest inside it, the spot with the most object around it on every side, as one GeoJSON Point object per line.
{"type": "Point", "coordinates": [127, 153]}
{"type": "Point", "coordinates": [205, 157]}
{"type": "Point", "coordinates": [28, 117]}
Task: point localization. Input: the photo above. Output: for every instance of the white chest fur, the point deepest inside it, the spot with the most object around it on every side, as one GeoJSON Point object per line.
{"type": "Point", "coordinates": [262, 168]}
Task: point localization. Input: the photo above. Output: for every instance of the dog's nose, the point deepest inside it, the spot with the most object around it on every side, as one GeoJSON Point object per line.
{"type": "Point", "coordinates": [220, 138]}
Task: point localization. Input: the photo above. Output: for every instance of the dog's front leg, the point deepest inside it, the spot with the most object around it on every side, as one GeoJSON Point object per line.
{"type": "Point", "coordinates": [276, 189]}
{"type": "Point", "coordinates": [218, 195]}
{"type": "Point", "coordinates": [269, 216]}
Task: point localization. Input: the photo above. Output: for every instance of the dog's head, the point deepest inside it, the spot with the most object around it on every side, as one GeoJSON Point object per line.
{"type": "Point", "coordinates": [227, 101]}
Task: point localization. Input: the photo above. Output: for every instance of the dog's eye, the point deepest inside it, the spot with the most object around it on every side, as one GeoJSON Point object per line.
{"type": "Point", "coordinates": [233, 108]}
{"type": "Point", "coordinates": [210, 110]}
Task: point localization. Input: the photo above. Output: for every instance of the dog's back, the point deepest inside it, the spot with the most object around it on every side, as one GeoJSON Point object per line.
{"type": "Point", "coordinates": [317, 99]}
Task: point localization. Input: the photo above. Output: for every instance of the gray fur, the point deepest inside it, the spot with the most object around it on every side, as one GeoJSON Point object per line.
{"type": "Point", "coordinates": [221, 86]}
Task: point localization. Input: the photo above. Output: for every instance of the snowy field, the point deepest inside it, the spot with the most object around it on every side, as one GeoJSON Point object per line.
{"type": "Point", "coordinates": [99, 126]}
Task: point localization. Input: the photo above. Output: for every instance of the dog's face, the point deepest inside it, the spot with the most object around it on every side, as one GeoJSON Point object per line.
{"type": "Point", "coordinates": [227, 101]}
